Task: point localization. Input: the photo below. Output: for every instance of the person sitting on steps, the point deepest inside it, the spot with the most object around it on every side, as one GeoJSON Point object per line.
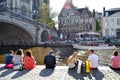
{"type": "Point", "coordinates": [93, 59]}
{"type": "Point", "coordinates": [73, 61]}
{"type": "Point", "coordinates": [50, 60]}
{"type": "Point", "coordinates": [29, 61]}
{"type": "Point", "coordinates": [115, 61]}
{"type": "Point", "coordinates": [18, 60]}
{"type": "Point", "coordinates": [8, 59]}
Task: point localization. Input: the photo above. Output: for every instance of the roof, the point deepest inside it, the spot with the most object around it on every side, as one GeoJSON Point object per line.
{"type": "Point", "coordinates": [80, 9]}
{"type": "Point", "coordinates": [113, 9]}
{"type": "Point", "coordinates": [67, 4]}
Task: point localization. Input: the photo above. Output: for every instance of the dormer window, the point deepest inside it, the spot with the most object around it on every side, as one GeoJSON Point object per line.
{"type": "Point", "coordinates": [106, 13]}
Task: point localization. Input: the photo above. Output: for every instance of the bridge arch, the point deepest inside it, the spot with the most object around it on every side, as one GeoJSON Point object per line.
{"type": "Point", "coordinates": [14, 34]}
{"type": "Point", "coordinates": [44, 35]}
{"type": "Point", "coordinates": [28, 31]}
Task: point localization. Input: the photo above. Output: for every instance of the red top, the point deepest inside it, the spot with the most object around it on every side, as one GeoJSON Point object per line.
{"type": "Point", "coordinates": [115, 61]}
{"type": "Point", "coordinates": [29, 62]}
{"type": "Point", "coordinates": [49, 37]}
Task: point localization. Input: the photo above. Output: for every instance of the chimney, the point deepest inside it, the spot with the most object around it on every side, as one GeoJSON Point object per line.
{"type": "Point", "coordinates": [93, 12]}
{"type": "Point", "coordinates": [103, 11]}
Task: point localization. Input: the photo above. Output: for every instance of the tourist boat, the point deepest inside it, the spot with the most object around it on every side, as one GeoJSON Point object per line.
{"type": "Point", "coordinates": [76, 46]}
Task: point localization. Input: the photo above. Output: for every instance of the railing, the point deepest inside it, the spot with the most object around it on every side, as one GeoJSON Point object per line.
{"type": "Point", "coordinates": [25, 18]}
{"type": "Point", "coordinates": [21, 17]}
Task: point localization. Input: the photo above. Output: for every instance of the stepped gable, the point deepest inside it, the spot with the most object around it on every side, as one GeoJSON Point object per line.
{"type": "Point", "coordinates": [68, 5]}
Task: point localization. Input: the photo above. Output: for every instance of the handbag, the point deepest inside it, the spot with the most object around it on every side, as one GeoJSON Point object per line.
{"type": "Point", "coordinates": [17, 67]}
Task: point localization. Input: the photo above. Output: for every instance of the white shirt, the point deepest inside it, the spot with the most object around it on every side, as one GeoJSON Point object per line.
{"type": "Point", "coordinates": [70, 65]}
{"type": "Point", "coordinates": [17, 59]}
{"type": "Point", "coordinates": [93, 60]}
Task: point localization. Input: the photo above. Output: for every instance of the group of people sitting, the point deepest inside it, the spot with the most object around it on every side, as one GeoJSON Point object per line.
{"type": "Point", "coordinates": [28, 61]}
{"type": "Point", "coordinates": [18, 59]}
{"type": "Point", "coordinates": [73, 61]}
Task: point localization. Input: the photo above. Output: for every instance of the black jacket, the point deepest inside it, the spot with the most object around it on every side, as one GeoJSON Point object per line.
{"type": "Point", "coordinates": [50, 61]}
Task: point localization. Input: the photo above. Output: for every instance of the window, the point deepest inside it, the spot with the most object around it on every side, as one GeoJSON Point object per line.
{"type": "Point", "coordinates": [106, 14]}
{"type": "Point", "coordinates": [86, 20]}
{"type": "Point", "coordinates": [90, 27]}
{"type": "Point", "coordinates": [112, 31]}
{"type": "Point", "coordinates": [81, 20]}
{"type": "Point", "coordinates": [86, 27]}
{"type": "Point", "coordinates": [107, 22]}
{"type": "Point", "coordinates": [76, 20]}
{"type": "Point", "coordinates": [107, 32]}
{"type": "Point", "coordinates": [90, 20]}
{"type": "Point", "coordinates": [118, 21]}
{"type": "Point", "coordinates": [112, 21]}
{"type": "Point", "coordinates": [15, 5]}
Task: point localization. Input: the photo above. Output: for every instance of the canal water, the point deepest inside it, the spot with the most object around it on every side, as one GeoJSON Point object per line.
{"type": "Point", "coordinates": [104, 55]}
{"type": "Point", "coordinates": [62, 54]}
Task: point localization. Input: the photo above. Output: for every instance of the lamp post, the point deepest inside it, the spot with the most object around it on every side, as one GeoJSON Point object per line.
{"type": "Point", "coordinates": [36, 26]}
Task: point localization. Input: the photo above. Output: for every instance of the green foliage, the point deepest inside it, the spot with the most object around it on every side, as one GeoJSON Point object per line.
{"type": "Point", "coordinates": [46, 16]}
{"type": "Point", "coordinates": [98, 26]}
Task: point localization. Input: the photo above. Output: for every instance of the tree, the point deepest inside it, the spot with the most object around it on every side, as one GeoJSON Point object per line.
{"type": "Point", "coordinates": [47, 16]}
{"type": "Point", "coordinates": [98, 26]}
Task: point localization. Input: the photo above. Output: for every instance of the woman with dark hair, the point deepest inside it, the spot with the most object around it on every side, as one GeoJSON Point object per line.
{"type": "Point", "coordinates": [18, 60]}
{"type": "Point", "coordinates": [115, 61]}
{"type": "Point", "coordinates": [18, 57]}
{"type": "Point", "coordinates": [8, 59]}
{"type": "Point", "coordinates": [29, 61]}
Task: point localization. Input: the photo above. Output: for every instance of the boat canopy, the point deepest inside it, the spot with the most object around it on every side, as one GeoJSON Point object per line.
{"type": "Point", "coordinates": [89, 33]}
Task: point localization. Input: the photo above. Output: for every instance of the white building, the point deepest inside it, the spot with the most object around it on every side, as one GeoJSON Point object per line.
{"type": "Point", "coordinates": [111, 25]}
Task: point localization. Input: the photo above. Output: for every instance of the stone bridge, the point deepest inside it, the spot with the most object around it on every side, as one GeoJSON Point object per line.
{"type": "Point", "coordinates": [16, 29]}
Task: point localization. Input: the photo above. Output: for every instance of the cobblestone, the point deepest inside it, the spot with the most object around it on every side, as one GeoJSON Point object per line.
{"type": "Point", "coordinates": [59, 73]}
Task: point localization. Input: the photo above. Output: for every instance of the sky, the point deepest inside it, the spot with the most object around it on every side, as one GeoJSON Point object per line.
{"type": "Point", "coordinates": [98, 5]}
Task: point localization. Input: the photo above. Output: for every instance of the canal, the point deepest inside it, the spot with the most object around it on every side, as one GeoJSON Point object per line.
{"type": "Point", "coordinates": [62, 53]}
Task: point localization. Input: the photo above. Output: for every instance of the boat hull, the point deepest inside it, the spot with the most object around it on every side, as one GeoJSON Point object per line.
{"type": "Point", "coordinates": [76, 46]}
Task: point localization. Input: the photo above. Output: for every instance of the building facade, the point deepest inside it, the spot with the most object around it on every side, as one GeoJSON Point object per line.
{"type": "Point", "coordinates": [2, 5]}
{"type": "Point", "coordinates": [111, 23]}
{"type": "Point", "coordinates": [26, 8]}
{"type": "Point", "coordinates": [72, 20]}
